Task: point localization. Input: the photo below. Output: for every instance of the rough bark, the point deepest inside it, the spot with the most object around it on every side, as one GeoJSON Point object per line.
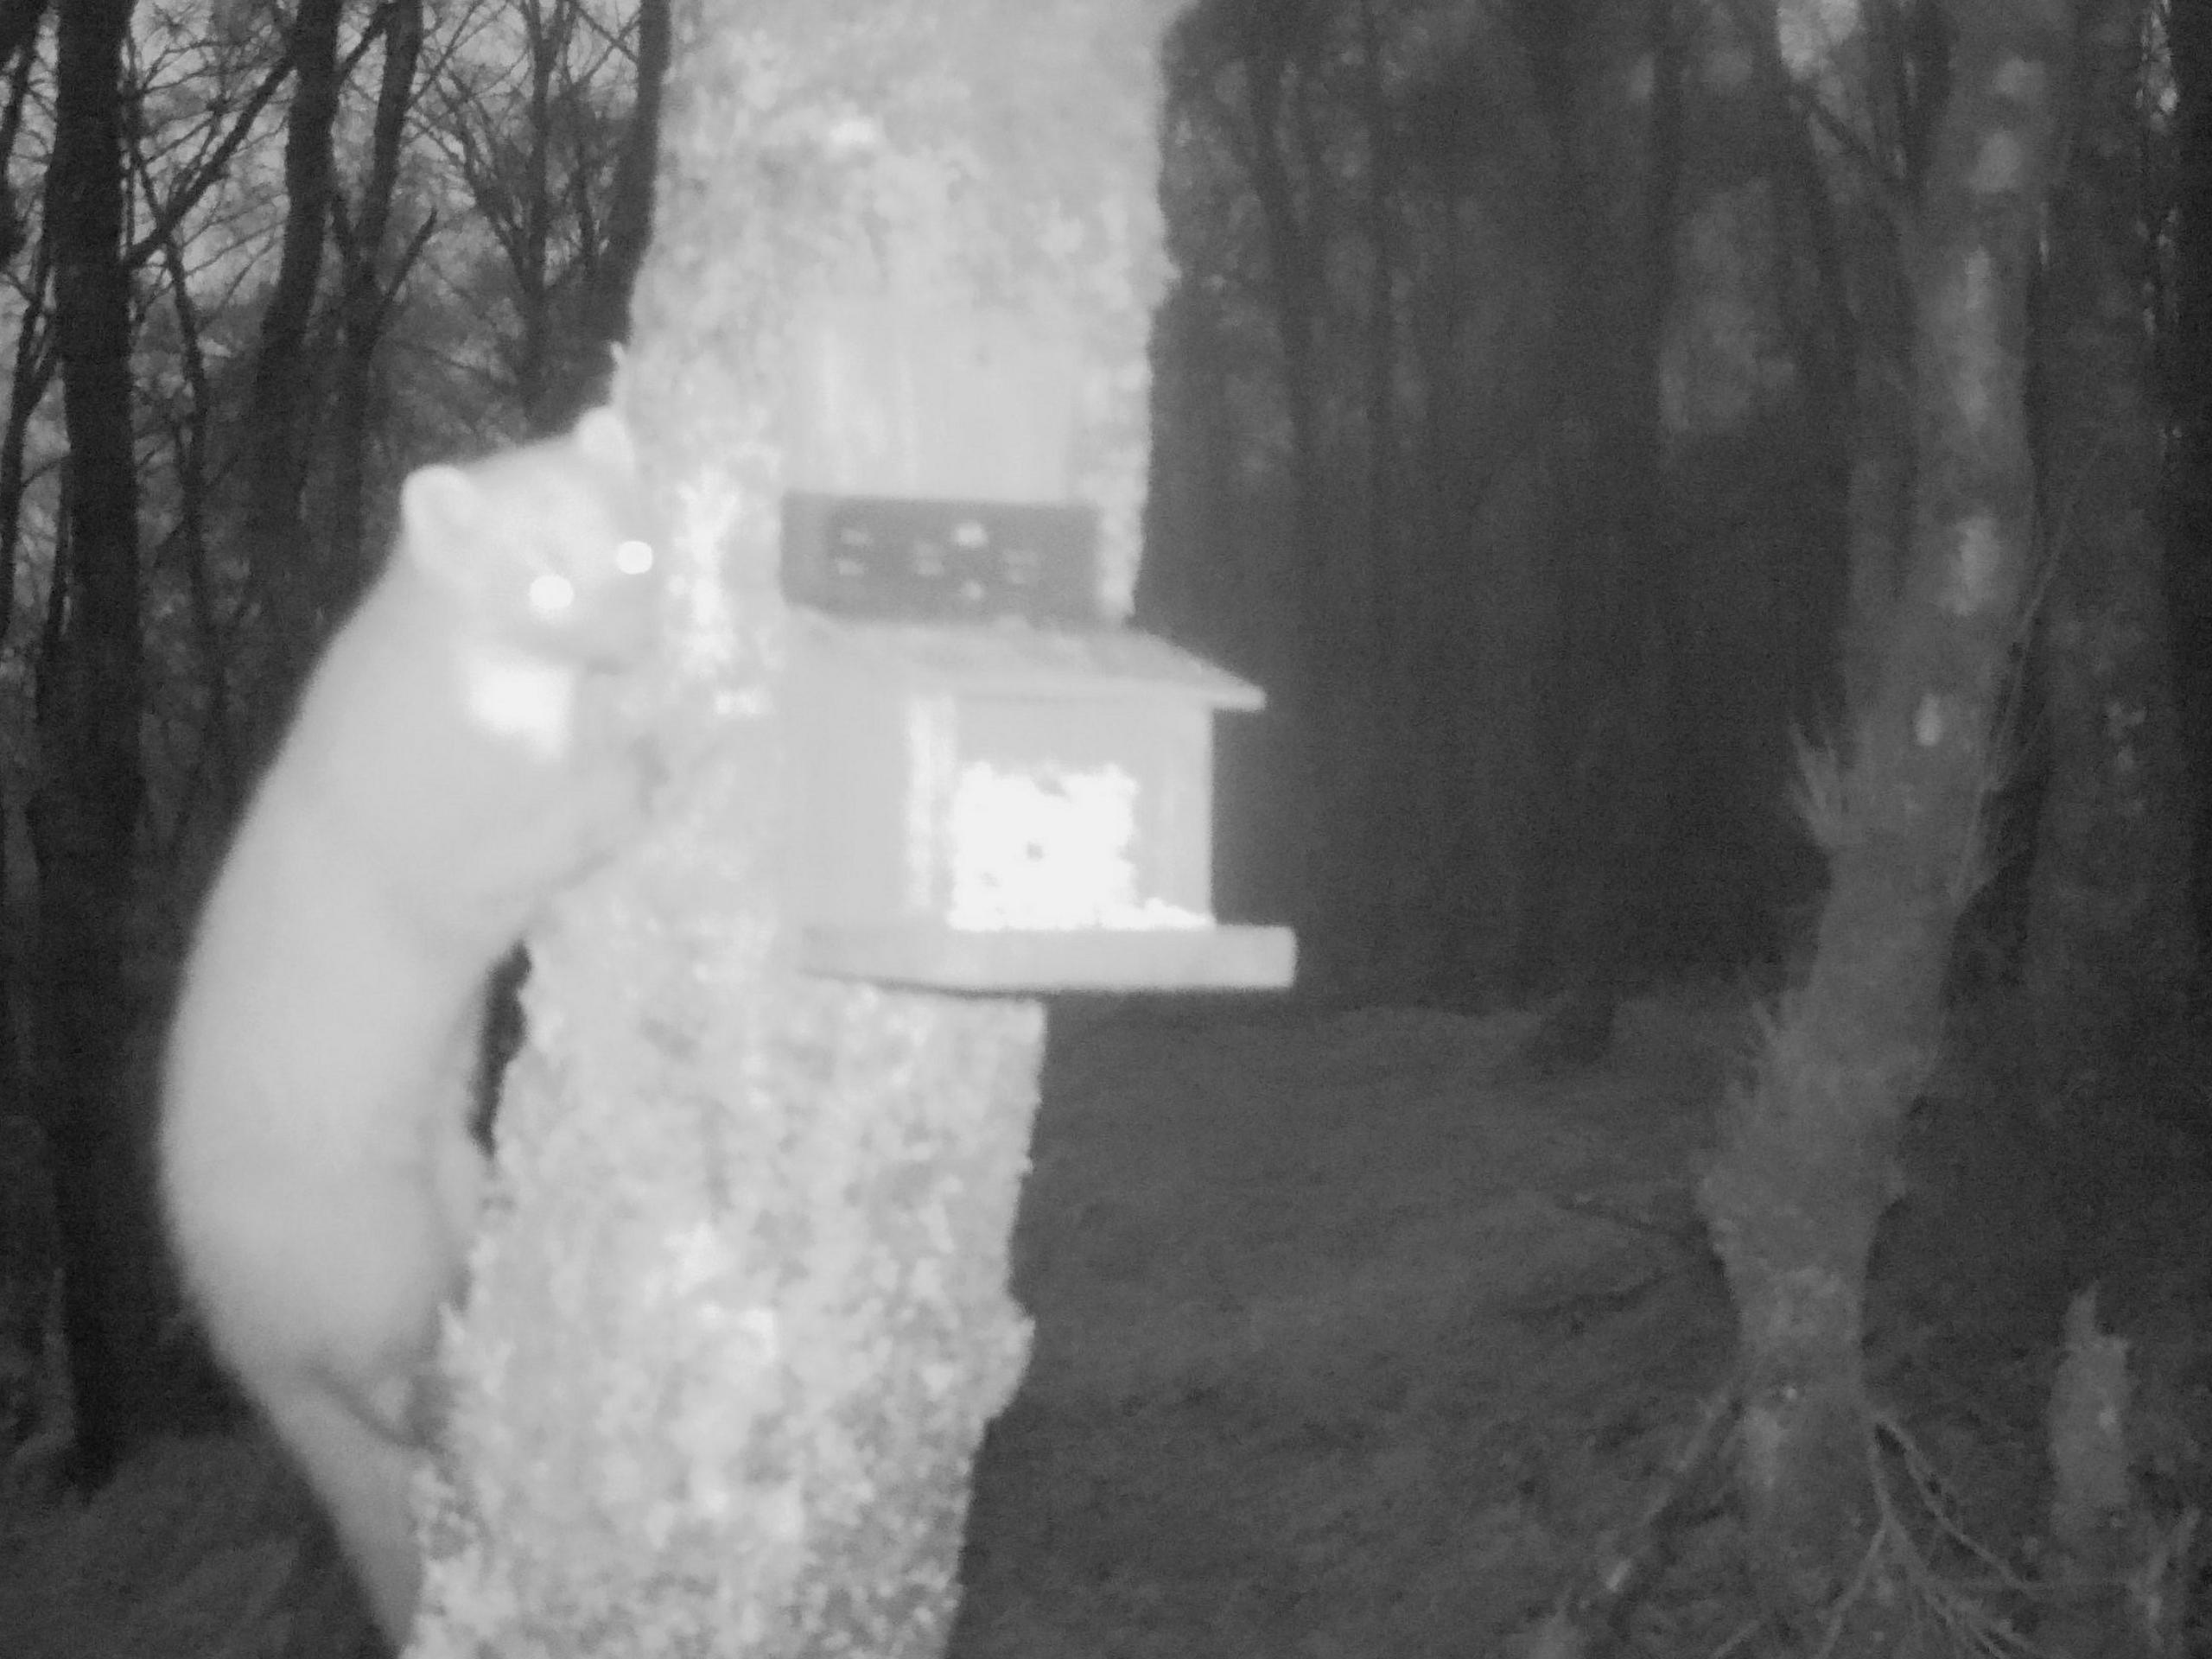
{"type": "Point", "coordinates": [740, 1313]}
{"type": "Point", "coordinates": [84, 808]}
{"type": "Point", "coordinates": [2107, 944]}
{"type": "Point", "coordinates": [1805, 1168]}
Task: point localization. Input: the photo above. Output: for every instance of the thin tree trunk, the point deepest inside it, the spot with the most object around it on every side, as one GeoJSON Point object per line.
{"type": "Point", "coordinates": [546, 25]}
{"type": "Point", "coordinates": [2107, 940]}
{"type": "Point", "coordinates": [84, 811]}
{"type": "Point", "coordinates": [1866, 269]}
{"type": "Point", "coordinates": [1316, 695]}
{"type": "Point", "coordinates": [2189, 380]}
{"type": "Point", "coordinates": [1403, 779]}
{"type": "Point", "coordinates": [741, 1315]}
{"type": "Point", "coordinates": [1806, 1163]}
{"type": "Point", "coordinates": [1610, 732]}
{"type": "Point", "coordinates": [279, 414]}
{"type": "Point", "coordinates": [369, 278]}
{"type": "Point", "coordinates": [218, 769]}
{"type": "Point", "coordinates": [32, 374]}
{"type": "Point", "coordinates": [19, 25]}
{"type": "Point", "coordinates": [604, 316]}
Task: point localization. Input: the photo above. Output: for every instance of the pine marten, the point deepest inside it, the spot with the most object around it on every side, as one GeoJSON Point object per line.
{"type": "Point", "coordinates": [447, 771]}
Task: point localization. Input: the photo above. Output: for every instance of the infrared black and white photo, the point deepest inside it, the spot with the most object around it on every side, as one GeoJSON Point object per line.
{"type": "Point", "coordinates": [968, 828]}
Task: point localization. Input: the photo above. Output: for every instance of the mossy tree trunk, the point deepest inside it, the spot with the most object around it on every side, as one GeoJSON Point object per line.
{"type": "Point", "coordinates": [1806, 1164]}
{"type": "Point", "coordinates": [740, 1314]}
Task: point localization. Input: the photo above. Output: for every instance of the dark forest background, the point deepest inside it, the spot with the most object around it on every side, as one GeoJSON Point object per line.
{"type": "Point", "coordinates": [1541, 414]}
{"type": "Point", "coordinates": [1508, 409]}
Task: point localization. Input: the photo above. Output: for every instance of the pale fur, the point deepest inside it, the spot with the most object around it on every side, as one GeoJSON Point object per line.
{"type": "Point", "coordinates": [320, 1183]}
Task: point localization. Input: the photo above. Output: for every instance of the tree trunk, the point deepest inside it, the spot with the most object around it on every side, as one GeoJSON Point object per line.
{"type": "Point", "coordinates": [1399, 903]}
{"type": "Point", "coordinates": [2189, 380]}
{"type": "Point", "coordinates": [1862, 263]}
{"type": "Point", "coordinates": [1320, 692]}
{"type": "Point", "coordinates": [32, 373]}
{"type": "Point", "coordinates": [546, 28]}
{"type": "Point", "coordinates": [2108, 946]}
{"type": "Point", "coordinates": [2107, 914]}
{"type": "Point", "coordinates": [19, 26]}
{"type": "Point", "coordinates": [1609, 729]}
{"type": "Point", "coordinates": [605, 315]}
{"type": "Point", "coordinates": [740, 1312]}
{"type": "Point", "coordinates": [278, 418]}
{"type": "Point", "coordinates": [1806, 1164]}
{"type": "Point", "coordinates": [369, 276]}
{"type": "Point", "coordinates": [84, 811]}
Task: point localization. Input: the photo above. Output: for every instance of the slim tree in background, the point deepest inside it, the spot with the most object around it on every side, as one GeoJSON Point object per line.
{"type": "Point", "coordinates": [279, 424]}
{"type": "Point", "coordinates": [31, 373]}
{"type": "Point", "coordinates": [742, 1315]}
{"type": "Point", "coordinates": [562, 181]}
{"type": "Point", "coordinates": [1805, 1167]}
{"type": "Point", "coordinates": [1608, 732]}
{"type": "Point", "coordinates": [611, 269]}
{"type": "Point", "coordinates": [19, 27]}
{"type": "Point", "coordinates": [2109, 944]}
{"type": "Point", "coordinates": [84, 813]}
{"type": "Point", "coordinates": [1273, 52]}
{"type": "Point", "coordinates": [369, 279]}
{"type": "Point", "coordinates": [2187, 381]}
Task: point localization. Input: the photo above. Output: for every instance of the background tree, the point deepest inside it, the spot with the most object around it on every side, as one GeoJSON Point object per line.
{"type": "Point", "coordinates": [2108, 945]}
{"type": "Point", "coordinates": [84, 813]}
{"type": "Point", "coordinates": [1806, 1164]}
{"type": "Point", "coordinates": [1609, 730]}
{"type": "Point", "coordinates": [2185, 380]}
{"type": "Point", "coordinates": [1530, 739]}
{"type": "Point", "coordinates": [19, 29]}
{"type": "Point", "coordinates": [32, 371]}
{"type": "Point", "coordinates": [277, 445]}
{"type": "Point", "coordinates": [563, 182]}
{"type": "Point", "coordinates": [372, 277]}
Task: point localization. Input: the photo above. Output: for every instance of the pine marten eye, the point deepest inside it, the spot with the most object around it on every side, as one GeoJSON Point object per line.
{"type": "Point", "coordinates": [551, 594]}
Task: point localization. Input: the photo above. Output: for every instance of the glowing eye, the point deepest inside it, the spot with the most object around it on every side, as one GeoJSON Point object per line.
{"type": "Point", "coordinates": [634, 558]}
{"type": "Point", "coordinates": [550, 593]}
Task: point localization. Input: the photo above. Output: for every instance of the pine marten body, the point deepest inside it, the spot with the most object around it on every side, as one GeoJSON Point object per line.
{"type": "Point", "coordinates": [440, 783]}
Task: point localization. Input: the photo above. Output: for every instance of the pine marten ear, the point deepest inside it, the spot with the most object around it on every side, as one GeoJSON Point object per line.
{"type": "Point", "coordinates": [603, 437]}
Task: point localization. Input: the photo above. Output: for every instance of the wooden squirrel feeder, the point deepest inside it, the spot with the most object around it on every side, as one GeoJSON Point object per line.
{"type": "Point", "coordinates": [1003, 789]}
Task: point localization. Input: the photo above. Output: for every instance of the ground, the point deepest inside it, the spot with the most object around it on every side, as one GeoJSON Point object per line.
{"type": "Point", "coordinates": [1353, 1332]}
{"type": "Point", "coordinates": [1358, 1334]}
